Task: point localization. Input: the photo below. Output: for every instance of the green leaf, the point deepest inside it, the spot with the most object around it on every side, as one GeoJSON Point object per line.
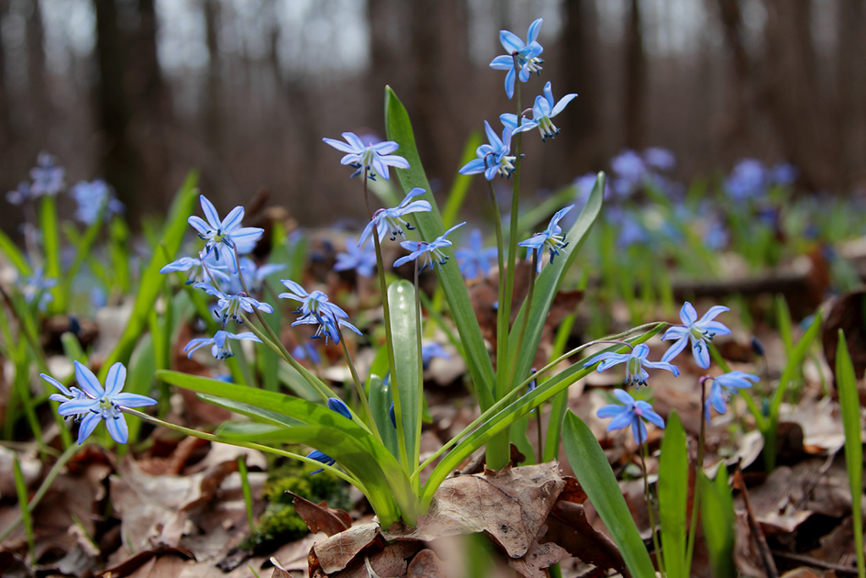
{"type": "Point", "coordinates": [408, 373]}
{"type": "Point", "coordinates": [21, 489]}
{"type": "Point", "coordinates": [548, 283]}
{"type": "Point", "coordinates": [380, 405]}
{"type": "Point", "coordinates": [14, 254]}
{"type": "Point", "coordinates": [387, 487]}
{"type": "Point", "coordinates": [783, 318]}
{"type": "Point", "coordinates": [152, 279]}
{"type": "Point", "coordinates": [51, 241]}
{"type": "Point", "coordinates": [673, 489]}
{"type": "Point", "coordinates": [259, 414]}
{"type": "Point", "coordinates": [717, 512]}
{"type": "Point", "coordinates": [140, 378]}
{"type": "Point", "coordinates": [596, 478]}
{"type": "Point", "coordinates": [849, 402]}
{"type": "Point", "coordinates": [399, 129]}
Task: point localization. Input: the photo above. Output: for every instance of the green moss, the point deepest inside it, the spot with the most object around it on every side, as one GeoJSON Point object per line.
{"type": "Point", "coordinates": [279, 523]}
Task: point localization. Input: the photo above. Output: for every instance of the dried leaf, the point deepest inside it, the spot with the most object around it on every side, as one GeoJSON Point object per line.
{"type": "Point", "coordinates": [321, 518]}
{"type": "Point", "coordinates": [338, 551]}
{"type": "Point", "coordinates": [537, 559]}
{"type": "Point", "coordinates": [425, 564]}
{"type": "Point", "coordinates": [569, 527]}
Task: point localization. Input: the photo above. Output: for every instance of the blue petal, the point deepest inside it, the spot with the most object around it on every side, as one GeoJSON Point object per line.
{"type": "Point", "coordinates": [118, 429]}
{"type": "Point", "coordinates": [210, 212]}
{"type": "Point", "coordinates": [510, 41]}
{"type": "Point", "coordinates": [87, 381]}
{"type": "Point", "coordinates": [688, 315]}
{"type": "Point", "coordinates": [114, 380]}
{"type": "Point", "coordinates": [676, 348]}
{"type": "Point", "coordinates": [534, 28]}
{"type": "Point", "coordinates": [88, 424]}
{"type": "Point", "coordinates": [624, 397]}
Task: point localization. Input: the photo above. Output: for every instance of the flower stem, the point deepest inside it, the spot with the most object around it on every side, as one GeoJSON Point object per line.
{"type": "Point", "coordinates": [649, 505]}
{"type": "Point", "coordinates": [389, 343]}
{"type": "Point", "coordinates": [516, 354]}
{"type": "Point", "coordinates": [699, 468]}
{"type": "Point", "coordinates": [359, 386]}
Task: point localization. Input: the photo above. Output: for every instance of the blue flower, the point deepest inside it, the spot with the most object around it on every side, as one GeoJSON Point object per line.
{"type": "Point", "coordinates": [526, 56]}
{"type": "Point", "coordinates": [47, 176]}
{"type": "Point", "coordinates": [631, 413]}
{"type": "Point", "coordinates": [338, 406]}
{"type": "Point", "coordinates": [316, 309]}
{"type": "Point", "coordinates": [230, 306]}
{"type": "Point", "coordinates": [195, 268]}
{"type": "Point", "coordinates": [20, 194]}
{"type": "Point", "coordinates": [93, 198]}
{"type": "Point", "coordinates": [392, 220]}
{"type": "Point", "coordinates": [99, 403]}
{"type": "Point", "coordinates": [220, 343]}
{"type": "Point", "coordinates": [550, 239]}
{"type": "Point", "coordinates": [36, 289]}
{"type": "Point", "coordinates": [374, 157]}
{"type": "Point", "coordinates": [725, 386]}
{"type": "Point", "coordinates": [429, 253]}
{"type": "Point", "coordinates": [429, 351]}
{"type": "Point", "coordinates": [542, 111]}
{"type": "Point", "coordinates": [66, 394]}
{"type": "Point", "coordinates": [635, 361]}
{"type": "Point", "coordinates": [629, 170]}
{"type": "Point", "coordinates": [475, 260]}
{"type": "Point", "coordinates": [306, 351]}
{"type": "Point", "coordinates": [223, 236]}
{"type": "Point", "coordinates": [660, 158]}
{"type": "Point", "coordinates": [748, 180]}
{"type": "Point", "coordinates": [493, 158]}
{"type": "Point", "coordinates": [699, 332]}
{"type": "Point", "coordinates": [360, 258]}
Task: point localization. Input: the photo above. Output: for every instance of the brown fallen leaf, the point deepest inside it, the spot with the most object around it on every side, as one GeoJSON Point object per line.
{"type": "Point", "coordinates": [391, 561]}
{"type": "Point", "coordinates": [319, 517]}
{"type": "Point", "coordinates": [537, 559]}
{"type": "Point", "coordinates": [338, 551]}
{"type": "Point", "coordinates": [569, 527]}
{"type": "Point", "coordinates": [130, 565]}
{"type": "Point", "coordinates": [425, 564]}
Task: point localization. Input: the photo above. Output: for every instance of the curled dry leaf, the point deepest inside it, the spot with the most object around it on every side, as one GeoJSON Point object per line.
{"type": "Point", "coordinates": [319, 517]}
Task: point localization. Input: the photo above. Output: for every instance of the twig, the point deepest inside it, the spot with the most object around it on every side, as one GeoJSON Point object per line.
{"type": "Point", "coordinates": [760, 540]}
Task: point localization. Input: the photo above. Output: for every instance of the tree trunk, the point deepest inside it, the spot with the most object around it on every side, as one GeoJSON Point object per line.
{"type": "Point", "coordinates": [39, 103]}
{"type": "Point", "coordinates": [738, 89]}
{"type": "Point", "coordinates": [851, 91]}
{"type": "Point", "coordinates": [635, 81]}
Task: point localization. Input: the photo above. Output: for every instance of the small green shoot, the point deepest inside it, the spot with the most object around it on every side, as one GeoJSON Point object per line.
{"type": "Point", "coordinates": [245, 486]}
{"type": "Point", "coordinates": [21, 489]}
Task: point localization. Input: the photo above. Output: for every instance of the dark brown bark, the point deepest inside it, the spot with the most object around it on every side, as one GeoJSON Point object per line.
{"type": "Point", "coordinates": [213, 113]}
{"type": "Point", "coordinates": [36, 87]}
{"type": "Point", "coordinates": [851, 78]}
{"type": "Point", "coordinates": [120, 165]}
{"type": "Point", "coordinates": [5, 104]}
{"type": "Point", "coordinates": [635, 80]}
{"type": "Point", "coordinates": [737, 88]}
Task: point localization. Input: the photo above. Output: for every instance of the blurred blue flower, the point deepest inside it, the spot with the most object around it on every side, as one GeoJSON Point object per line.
{"type": "Point", "coordinates": [36, 289]}
{"type": "Point", "coordinates": [337, 405]}
{"type": "Point", "coordinates": [360, 258]}
{"type": "Point", "coordinates": [748, 180]}
{"type": "Point", "coordinates": [635, 361]}
{"type": "Point", "coordinates": [392, 220]}
{"type": "Point", "coordinates": [493, 158]}
{"type": "Point", "coordinates": [660, 158]}
{"type": "Point", "coordinates": [306, 351]}
{"type": "Point", "coordinates": [93, 198]}
{"type": "Point", "coordinates": [219, 343]}
{"type": "Point", "coordinates": [631, 413]}
{"type": "Point", "coordinates": [630, 230]}
{"type": "Point", "coordinates": [700, 332]}
{"type": "Point", "coordinates": [99, 404]}
{"type": "Point", "coordinates": [321, 457]}
{"type": "Point", "coordinates": [724, 387]}
{"type": "Point", "coordinates": [543, 110]}
{"type": "Point", "coordinates": [430, 351]}
{"type": "Point", "coordinates": [783, 174]}
{"type": "Point", "coordinates": [20, 194]}
{"type": "Point", "coordinates": [254, 276]}
{"type": "Point", "coordinates": [47, 176]}
{"type": "Point", "coordinates": [195, 269]}
{"type": "Point", "coordinates": [526, 56]}
{"type": "Point", "coordinates": [551, 239]}
{"type": "Point", "coordinates": [374, 157]}
{"type": "Point", "coordinates": [629, 172]}
{"type": "Point", "coordinates": [223, 236]}
{"type": "Point", "coordinates": [231, 306]}
{"type": "Point", "coordinates": [430, 253]}
{"type": "Point", "coordinates": [475, 260]}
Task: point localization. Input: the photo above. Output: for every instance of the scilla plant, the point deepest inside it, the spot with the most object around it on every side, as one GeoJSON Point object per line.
{"type": "Point", "coordinates": [375, 443]}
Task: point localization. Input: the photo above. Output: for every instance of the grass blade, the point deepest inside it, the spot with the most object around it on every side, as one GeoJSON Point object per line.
{"type": "Point", "coordinates": [717, 511]}
{"type": "Point", "coordinates": [21, 489]}
{"type": "Point", "coordinates": [673, 489]}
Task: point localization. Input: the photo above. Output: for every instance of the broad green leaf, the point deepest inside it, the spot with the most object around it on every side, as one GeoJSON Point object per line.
{"type": "Point", "coordinates": [458, 191]}
{"type": "Point", "coordinates": [51, 242]}
{"type": "Point", "coordinates": [14, 254]}
{"type": "Point", "coordinates": [560, 400]}
{"type": "Point", "coordinates": [408, 373]}
{"type": "Point", "coordinates": [547, 284]}
{"type": "Point", "coordinates": [399, 129]}
{"type": "Point", "coordinates": [139, 380]}
{"type": "Point", "coordinates": [596, 478]}
{"type": "Point", "coordinates": [717, 511]}
{"type": "Point", "coordinates": [152, 279]}
{"type": "Point", "coordinates": [291, 378]}
{"type": "Point", "coordinates": [327, 431]}
{"type": "Point", "coordinates": [380, 404]}
{"type": "Point", "coordinates": [259, 414]}
{"type": "Point", "coordinates": [849, 402]}
{"type": "Point", "coordinates": [673, 490]}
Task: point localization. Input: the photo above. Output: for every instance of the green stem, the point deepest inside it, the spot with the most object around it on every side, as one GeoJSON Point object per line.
{"type": "Point", "coordinates": [515, 356]}
{"type": "Point", "coordinates": [389, 343]}
{"type": "Point", "coordinates": [649, 506]}
{"type": "Point", "coordinates": [699, 468]}
{"type": "Point", "coordinates": [359, 387]}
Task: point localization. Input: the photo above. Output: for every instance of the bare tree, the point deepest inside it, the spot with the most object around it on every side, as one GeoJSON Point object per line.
{"type": "Point", "coordinates": [851, 91]}
{"type": "Point", "coordinates": [635, 71]}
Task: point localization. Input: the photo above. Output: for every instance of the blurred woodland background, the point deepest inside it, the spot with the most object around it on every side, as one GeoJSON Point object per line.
{"type": "Point", "coordinates": [140, 91]}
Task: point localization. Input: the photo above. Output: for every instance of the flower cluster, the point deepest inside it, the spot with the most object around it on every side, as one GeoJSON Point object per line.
{"type": "Point", "coordinates": [316, 309]}
{"type": "Point", "coordinates": [372, 158]}
{"type": "Point", "coordinates": [93, 199]}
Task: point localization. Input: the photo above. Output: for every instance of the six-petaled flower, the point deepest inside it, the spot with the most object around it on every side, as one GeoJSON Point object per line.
{"type": "Point", "coordinates": [219, 343]}
{"type": "Point", "coordinates": [316, 309]}
{"type": "Point", "coordinates": [493, 158]}
{"type": "Point", "coordinates": [699, 332]}
{"type": "Point", "coordinates": [724, 387]}
{"type": "Point", "coordinates": [226, 236]}
{"type": "Point", "coordinates": [630, 413]}
{"type": "Point", "coordinates": [544, 109]}
{"type": "Point", "coordinates": [551, 239]}
{"type": "Point", "coordinates": [98, 403]}
{"type": "Point", "coordinates": [231, 306]}
{"type": "Point", "coordinates": [374, 158]}
{"type": "Point", "coordinates": [522, 58]}
{"type": "Point", "coordinates": [429, 254]}
{"type": "Point", "coordinates": [195, 268]}
{"type": "Point", "coordinates": [475, 259]}
{"type": "Point", "coordinates": [635, 362]}
{"type": "Point", "coordinates": [360, 258]}
{"type": "Point", "coordinates": [392, 220]}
